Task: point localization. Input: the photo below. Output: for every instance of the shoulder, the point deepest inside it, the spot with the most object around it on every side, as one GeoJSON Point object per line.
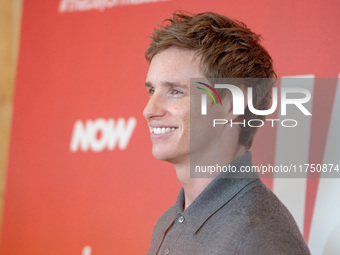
{"type": "Point", "coordinates": [162, 224]}
{"type": "Point", "coordinates": [165, 220]}
{"type": "Point", "coordinates": [271, 228]}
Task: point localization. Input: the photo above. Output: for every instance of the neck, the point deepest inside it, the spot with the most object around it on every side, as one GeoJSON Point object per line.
{"type": "Point", "coordinates": [194, 186]}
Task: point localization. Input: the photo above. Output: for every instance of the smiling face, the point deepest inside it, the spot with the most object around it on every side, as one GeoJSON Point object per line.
{"type": "Point", "coordinates": [168, 109]}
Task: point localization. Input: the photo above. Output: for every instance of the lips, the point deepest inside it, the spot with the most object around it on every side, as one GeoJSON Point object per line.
{"type": "Point", "coordinates": [161, 130]}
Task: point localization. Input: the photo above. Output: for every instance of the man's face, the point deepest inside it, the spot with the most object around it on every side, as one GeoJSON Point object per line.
{"type": "Point", "coordinates": [168, 109]}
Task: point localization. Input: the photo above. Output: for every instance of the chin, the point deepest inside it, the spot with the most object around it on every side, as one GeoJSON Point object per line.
{"type": "Point", "coordinates": [163, 155]}
{"type": "Point", "coordinates": [170, 156]}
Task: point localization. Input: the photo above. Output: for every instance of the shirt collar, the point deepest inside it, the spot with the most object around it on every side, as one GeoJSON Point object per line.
{"type": "Point", "coordinates": [219, 192]}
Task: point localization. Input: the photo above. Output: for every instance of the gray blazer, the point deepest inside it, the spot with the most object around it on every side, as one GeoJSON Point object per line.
{"type": "Point", "coordinates": [231, 216]}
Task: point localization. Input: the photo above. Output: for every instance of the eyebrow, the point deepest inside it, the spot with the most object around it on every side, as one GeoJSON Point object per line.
{"type": "Point", "coordinates": [167, 84]}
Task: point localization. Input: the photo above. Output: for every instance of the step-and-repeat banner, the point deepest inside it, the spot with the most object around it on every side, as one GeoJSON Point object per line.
{"type": "Point", "coordinates": [81, 178]}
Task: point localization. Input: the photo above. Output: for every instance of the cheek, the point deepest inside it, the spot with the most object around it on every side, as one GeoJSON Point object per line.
{"type": "Point", "coordinates": [181, 111]}
{"type": "Point", "coordinates": [184, 115]}
{"type": "Point", "coordinates": [185, 122]}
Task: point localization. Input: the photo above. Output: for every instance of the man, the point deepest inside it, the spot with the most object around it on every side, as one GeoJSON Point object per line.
{"type": "Point", "coordinates": [212, 215]}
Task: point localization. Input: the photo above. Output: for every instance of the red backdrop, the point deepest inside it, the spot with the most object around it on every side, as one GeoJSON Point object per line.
{"type": "Point", "coordinates": [87, 67]}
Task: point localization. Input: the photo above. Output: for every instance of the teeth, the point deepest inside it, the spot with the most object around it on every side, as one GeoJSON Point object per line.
{"type": "Point", "coordinates": [161, 130]}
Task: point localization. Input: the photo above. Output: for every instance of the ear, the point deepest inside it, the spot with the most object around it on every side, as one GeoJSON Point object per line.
{"type": "Point", "coordinates": [235, 102]}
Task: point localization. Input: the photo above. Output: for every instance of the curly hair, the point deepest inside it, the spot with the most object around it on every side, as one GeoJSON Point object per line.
{"type": "Point", "coordinates": [228, 49]}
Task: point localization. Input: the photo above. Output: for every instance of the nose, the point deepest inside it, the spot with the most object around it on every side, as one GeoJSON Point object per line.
{"type": "Point", "coordinates": [155, 107]}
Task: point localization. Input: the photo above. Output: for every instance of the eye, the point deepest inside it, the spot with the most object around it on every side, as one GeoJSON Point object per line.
{"type": "Point", "coordinates": [175, 91]}
{"type": "Point", "coordinates": [151, 91]}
